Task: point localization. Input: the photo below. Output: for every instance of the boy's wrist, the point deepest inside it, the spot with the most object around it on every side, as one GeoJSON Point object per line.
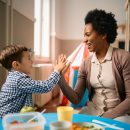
{"type": "Point", "coordinates": [58, 71]}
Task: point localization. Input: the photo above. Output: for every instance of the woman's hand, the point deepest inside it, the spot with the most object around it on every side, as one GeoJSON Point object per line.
{"type": "Point", "coordinates": [60, 63]}
{"type": "Point", "coordinates": [66, 68]}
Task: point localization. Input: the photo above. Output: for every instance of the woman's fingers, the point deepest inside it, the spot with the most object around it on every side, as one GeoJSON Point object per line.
{"type": "Point", "coordinates": [62, 58]}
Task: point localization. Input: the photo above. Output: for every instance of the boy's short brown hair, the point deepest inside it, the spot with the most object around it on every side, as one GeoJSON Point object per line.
{"type": "Point", "coordinates": [11, 53]}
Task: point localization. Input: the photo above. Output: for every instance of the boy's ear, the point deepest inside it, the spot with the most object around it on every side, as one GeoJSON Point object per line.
{"type": "Point", "coordinates": [15, 65]}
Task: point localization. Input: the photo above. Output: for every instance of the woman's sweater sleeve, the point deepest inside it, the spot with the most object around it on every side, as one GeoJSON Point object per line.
{"type": "Point", "coordinates": [124, 106]}
{"type": "Point", "coordinates": [75, 95]}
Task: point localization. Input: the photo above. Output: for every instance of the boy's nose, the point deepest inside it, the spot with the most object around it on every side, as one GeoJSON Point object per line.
{"type": "Point", "coordinates": [31, 61]}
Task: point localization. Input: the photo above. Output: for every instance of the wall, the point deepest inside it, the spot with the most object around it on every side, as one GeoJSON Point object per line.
{"type": "Point", "coordinates": [72, 13]}
{"type": "Point", "coordinates": [2, 24]}
{"type": "Point", "coordinates": [23, 32]}
{"type": "Point", "coordinates": [55, 47]}
{"type": "Point", "coordinates": [67, 22]}
{"type": "Point", "coordinates": [25, 7]}
{"type": "Point", "coordinates": [68, 46]}
{"type": "Point", "coordinates": [2, 39]}
{"type": "Point", "coordinates": [69, 19]}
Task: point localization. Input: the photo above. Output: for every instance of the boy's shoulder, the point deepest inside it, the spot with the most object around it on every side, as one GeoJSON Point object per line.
{"type": "Point", "coordinates": [12, 80]}
{"type": "Point", "coordinates": [15, 74]}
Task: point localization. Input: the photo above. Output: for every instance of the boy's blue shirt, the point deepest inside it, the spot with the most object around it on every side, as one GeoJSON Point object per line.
{"type": "Point", "coordinates": [17, 91]}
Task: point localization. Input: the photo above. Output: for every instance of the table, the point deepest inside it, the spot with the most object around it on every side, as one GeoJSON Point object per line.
{"type": "Point", "coordinates": [51, 117]}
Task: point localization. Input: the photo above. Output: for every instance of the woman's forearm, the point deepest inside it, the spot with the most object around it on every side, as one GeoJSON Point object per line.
{"type": "Point", "coordinates": [121, 109]}
{"type": "Point", "coordinates": [72, 95]}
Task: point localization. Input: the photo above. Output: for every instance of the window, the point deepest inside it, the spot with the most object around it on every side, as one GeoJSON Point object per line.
{"type": "Point", "coordinates": [127, 38]}
{"type": "Point", "coordinates": [122, 44]}
{"type": "Point", "coordinates": [42, 28]}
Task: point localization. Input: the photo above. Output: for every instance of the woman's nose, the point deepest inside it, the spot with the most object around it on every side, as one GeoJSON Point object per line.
{"type": "Point", "coordinates": [85, 40]}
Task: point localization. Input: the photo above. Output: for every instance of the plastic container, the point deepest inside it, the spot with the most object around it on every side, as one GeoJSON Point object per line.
{"type": "Point", "coordinates": [18, 121]}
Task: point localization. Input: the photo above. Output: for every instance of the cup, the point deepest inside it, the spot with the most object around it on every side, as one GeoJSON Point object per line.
{"type": "Point", "coordinates": [65, 113]}
{"type": "Point", "coordinates": [61, 125]}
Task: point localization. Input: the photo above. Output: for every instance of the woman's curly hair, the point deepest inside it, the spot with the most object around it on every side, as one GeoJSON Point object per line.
{"type": "Point", "coordinates": [103, 23]}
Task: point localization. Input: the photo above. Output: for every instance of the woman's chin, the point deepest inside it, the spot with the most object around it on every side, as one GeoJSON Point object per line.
{"type": "Point", "coordinates": [90, 49]}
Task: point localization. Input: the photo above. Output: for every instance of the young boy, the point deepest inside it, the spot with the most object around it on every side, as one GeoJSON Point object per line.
{"type": "Point", "coordinates": [17, 91]}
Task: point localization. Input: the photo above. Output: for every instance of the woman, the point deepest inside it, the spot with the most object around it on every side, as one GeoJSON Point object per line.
{"type": "Point", "coordinates": [106, 74]}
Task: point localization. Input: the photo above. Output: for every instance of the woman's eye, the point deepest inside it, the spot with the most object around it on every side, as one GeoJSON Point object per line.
{"type": "Point", "coordinates": [87, 35]}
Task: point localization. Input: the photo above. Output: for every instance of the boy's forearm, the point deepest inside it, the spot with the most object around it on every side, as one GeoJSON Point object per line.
{"type": "Point", "coordinates": [53, 79]}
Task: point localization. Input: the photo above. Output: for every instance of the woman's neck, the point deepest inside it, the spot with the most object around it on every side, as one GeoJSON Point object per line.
{"type": "Point", "coordinates": [102, 53]}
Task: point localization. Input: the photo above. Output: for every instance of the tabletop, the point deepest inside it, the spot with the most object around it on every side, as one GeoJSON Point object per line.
{"type": "Point", "coordinates": [52, 117]}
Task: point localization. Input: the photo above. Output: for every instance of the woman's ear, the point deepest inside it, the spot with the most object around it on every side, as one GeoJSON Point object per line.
{"type": "Point", "coordinates": [15, 65]}
{"type": "Point", "coordinates": [104, 36]}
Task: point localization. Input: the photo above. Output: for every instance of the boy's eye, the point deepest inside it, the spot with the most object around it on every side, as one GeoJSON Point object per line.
{"type": "Point", "coordinates": [31, 54]}
{"type": "Point", "coordinates": [29, 57]}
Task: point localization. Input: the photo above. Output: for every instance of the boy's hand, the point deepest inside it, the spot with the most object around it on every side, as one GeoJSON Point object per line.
{"type": "Point", "coordinates": [61, 63]}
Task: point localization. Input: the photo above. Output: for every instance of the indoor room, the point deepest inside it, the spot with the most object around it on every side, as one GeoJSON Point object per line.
{"type": "Point", "coordinates": [50, 28]}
